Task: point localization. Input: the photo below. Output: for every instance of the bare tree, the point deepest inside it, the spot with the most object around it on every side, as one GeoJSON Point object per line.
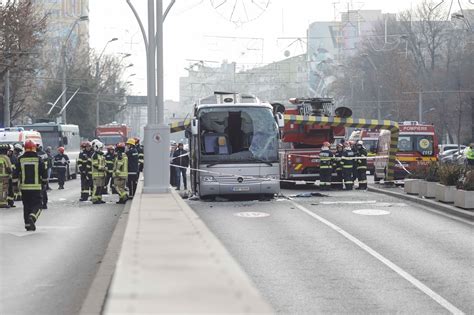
{"type": "Point", "coordinates": [21, 36]}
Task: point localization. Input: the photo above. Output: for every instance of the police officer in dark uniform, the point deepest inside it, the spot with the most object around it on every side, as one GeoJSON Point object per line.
{"type": "Point", "coordinates": [325, 166]}
{"type": "Point", "coordinates": [30, 176]}
{"type": "Point", "coordinates": [85, 169]}
{"type": "Point", "coordinates": [132, 156]}
{"type": "Point", "coordinates": [109, 164]}
{"type": "Point", "coordinates": [361, 165]}
{"type": "Point", "coordinates": [141, 155]}
{"type": "Point", "coordinates": [44, 158]}
{"type": "Point", "coordinates": [337, 178]}
{"type": "Point", "coordinates": [348, 165]}
{"type": "Point", "coordinates": [61, 163]}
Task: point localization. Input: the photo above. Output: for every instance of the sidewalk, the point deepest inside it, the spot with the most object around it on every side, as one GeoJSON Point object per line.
{"type": "Point", "coordinates": [430, 203]}
{"type": "Point", "coordinates": [171, 263]}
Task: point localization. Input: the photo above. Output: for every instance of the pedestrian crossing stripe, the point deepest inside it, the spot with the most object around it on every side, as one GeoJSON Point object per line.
{"type": "Point", "coordinates": [392, 126]}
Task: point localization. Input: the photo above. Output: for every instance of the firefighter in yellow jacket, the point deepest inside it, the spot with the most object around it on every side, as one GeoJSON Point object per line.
{"type": "Point", "coordinates": [120, 172]}
{"type": "Point", "coordinates": [29, 176]}
{"type": "Point", "coordinates": [98, 172]}
{"type": "Point", "coordinates": [5, 172]}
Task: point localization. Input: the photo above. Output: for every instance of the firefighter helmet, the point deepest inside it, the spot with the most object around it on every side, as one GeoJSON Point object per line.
{"type": "Point", "coordinates": [4, 148]}
{"type": "Point", "coordinates": [30, 146]}
{"type": "Point", "coordinates": [137, 140]}
{"type": "Point", "coordinates": [18, 147]}
{"type": "Point", "coordinates": [97, 145]}
{"type": "Point", "coordinates": [131, 141]}
{"type": "Point", "coordinates": [61, 150]}
{"type": "Point", "coordinates": [326, 144]}
{"type": "Point", "coordinates": [359, 142]}
{"type": "Point", "coordinates": [120, 147]}
{"type": "Point", "coordinates": [110, 147]}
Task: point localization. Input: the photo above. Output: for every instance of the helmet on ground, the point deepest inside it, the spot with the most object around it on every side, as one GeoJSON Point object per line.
{"type": "Point", "coordinates": [30, 146]}
{"type": "Point", "coordinates": [110, 147]}
{"type": "Point", "coordinates": [61, 150]}
{"type": "Point", "coordinates": [97, 145]}
{"type": "Point", "coordinates": [131, 141]}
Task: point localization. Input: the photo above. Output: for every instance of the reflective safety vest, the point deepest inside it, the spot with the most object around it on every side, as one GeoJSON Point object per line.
{"type": "Point", "coordinates": [5, 166]}
{"type": "Point", "coordinates": [325, 157]}
{"type": "Point", "coordinates": [347, 159]}
{"type": "Point", "coordinates": [470, 154]}
{"type": "Point", "coordinates": [121, 166]}
{"type": "Point", "coordinates": [98, 165]}
{"type": "Point", "coordinates": [31, 172]}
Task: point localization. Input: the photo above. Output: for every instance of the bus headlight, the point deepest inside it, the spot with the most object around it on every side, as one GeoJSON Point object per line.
{"type": "Point", "coordinates": [272, 177]}
{"type": "Point", "coordinates": [208, 178]}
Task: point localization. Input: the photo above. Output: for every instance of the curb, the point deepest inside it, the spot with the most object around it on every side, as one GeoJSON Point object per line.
{"type": "Point", "coordinates": [97, 294]}
{"type": "Point", "coordinates": [465, 214]}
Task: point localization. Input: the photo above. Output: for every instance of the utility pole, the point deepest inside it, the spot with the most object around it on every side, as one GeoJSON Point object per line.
{"type": "Point", "coordinates": [420, 107]}
{"type": "Point", "coordinates": [64, 85]}
{"type": "Point", "coordinates": [97, 97]}
{"type": "Point", "coordinates": [6, 107]}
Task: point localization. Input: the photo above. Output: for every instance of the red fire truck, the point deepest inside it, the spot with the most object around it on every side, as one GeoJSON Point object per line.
{"type": "Point", "coordinates": [113, 133]}
{"type": "Point", "coordinates": [300, 144]}
{"type": "Point", "coordinates": [417, 145]}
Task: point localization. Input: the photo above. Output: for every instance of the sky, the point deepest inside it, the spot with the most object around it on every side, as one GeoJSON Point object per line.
{"type": "Point", "coordinates": [195, 30]}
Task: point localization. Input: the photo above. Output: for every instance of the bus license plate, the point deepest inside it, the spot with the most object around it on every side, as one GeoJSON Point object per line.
{"type": "Point", "coordinates": [241, 188]}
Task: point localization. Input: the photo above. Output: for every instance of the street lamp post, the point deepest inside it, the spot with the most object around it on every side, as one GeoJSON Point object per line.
{"type": "Point", "coordinates": [379, 115]}
{"type": "Point", "coordinates": [64, 72]}
{"type": "Point", "coordinates": [157, 133]}
{"type": "Point", "coordinates": [97, 78]}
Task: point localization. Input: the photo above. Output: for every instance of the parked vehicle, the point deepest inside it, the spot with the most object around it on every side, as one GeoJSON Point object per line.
{"type": "Point", "coordinates": [233, 141]}
{"type": "Point", "coordinates": [111, 134]}
{"type": "Point", "coordinates": [13, 135]}
{"type": "Point", "coordinates": [300, 144]}
{"type": "Point", "coordinates": [417, 145]}
{"type": "Point", "coordinates": [56, 135]}
{"type": "Point", "coordinates": [446, 147]}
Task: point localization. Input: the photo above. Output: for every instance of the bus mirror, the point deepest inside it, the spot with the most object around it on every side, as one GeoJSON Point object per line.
{"type": "Point", "coordinates": [194, 126]}
{"type": "Point", "coordinates": [280, 120]}
{"type": "Point", "coordinates": [64, 140]}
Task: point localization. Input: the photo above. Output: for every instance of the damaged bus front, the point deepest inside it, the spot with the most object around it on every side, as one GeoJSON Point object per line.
{"type": "Point", "coordinates": [234, 146]}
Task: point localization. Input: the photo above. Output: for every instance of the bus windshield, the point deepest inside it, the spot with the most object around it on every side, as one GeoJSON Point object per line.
{"type": "Point", "coordinates": [51, 139]}
{"type": "Point", "coordinates": [238, 135]}
{"type": "Point", "coordinates": [416, 143]}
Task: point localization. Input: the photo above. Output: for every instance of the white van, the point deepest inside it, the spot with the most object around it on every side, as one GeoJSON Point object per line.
{"type": "Point", "coordinates": [13, 135]}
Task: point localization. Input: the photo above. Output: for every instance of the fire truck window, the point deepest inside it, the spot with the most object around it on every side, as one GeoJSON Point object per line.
{"type": "Point", "coordinates": [405, 144]}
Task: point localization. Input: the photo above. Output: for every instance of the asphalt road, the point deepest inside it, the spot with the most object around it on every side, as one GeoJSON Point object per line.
{"type": "Point", "coordinates": [316, 255]}
{"type": "Point", "coordinates": [49, 271]}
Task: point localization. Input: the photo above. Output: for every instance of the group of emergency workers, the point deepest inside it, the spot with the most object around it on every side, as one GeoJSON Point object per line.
{"type": "Point", "coordinates": [25, 175]}
{"type": "Point", "coordinates": [118, 168]}
{"type": "Point", "coordinates": [339, 170]}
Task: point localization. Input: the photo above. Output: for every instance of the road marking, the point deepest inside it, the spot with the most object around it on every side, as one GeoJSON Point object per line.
{"type": "Point", "coordinates": [251, 214]}
{"type": "Point", "coordinates": [19, 234]}
{"type": "Point", "coordinates": [371, 212]}
{"type": "Point", "coordinates": [354, 202]}
{"type": "Point", "coordinates": [439, 299]}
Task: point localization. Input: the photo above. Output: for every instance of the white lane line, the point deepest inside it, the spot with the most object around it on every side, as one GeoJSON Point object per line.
{"type": "Point", "coordinates": [443, 302]}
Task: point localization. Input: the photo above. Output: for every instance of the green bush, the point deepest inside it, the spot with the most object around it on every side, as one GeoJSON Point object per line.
{"type": "Point", "coordinates": [449, 174]}
{"type": "Point", "coordinates": [467, 181]}
{"type": "Point", "coordinates": [432, 172]}
{"type": "Point", "coordinates": [420, 172]}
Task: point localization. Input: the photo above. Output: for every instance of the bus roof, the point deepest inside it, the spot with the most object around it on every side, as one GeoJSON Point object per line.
{"type": "Point", "coordinates": [262, 105]}
{"type": "Point", "coordinates": [51, 126]}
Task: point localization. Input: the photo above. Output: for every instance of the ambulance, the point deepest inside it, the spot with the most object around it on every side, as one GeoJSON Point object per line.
{"type": "Point", "coordinates": [417, 146]}
{"type": "Point", "coordinates": [14, 135]}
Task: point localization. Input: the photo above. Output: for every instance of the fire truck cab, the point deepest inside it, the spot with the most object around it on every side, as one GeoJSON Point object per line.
{"type": "Point", "coordinates": [417, 145]}
{"type": "Point", "coordinates": [301, 143]}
